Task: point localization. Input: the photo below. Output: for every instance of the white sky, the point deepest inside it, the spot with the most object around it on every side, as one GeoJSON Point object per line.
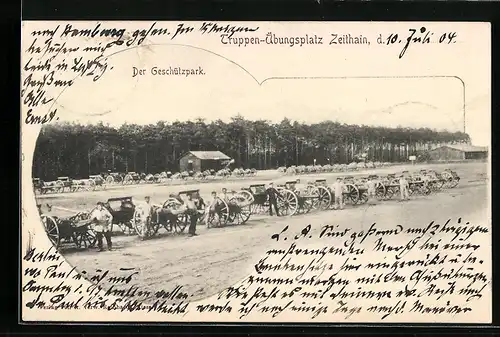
{"type": "Point", "coordinates": [405, 102]}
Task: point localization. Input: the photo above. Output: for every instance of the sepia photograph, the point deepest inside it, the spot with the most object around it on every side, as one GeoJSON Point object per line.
{"type": "Point", "coordinates": [195, 181]}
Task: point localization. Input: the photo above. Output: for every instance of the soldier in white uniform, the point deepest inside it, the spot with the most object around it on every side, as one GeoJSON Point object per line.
{"type": "Point", "coordinates": [371, 184]}
{"type": "Point", "coordinates": [151, 210]}
{"type": "Point", "coordinates": [211, 207]}
{"type": "Point", "coordinates": [338, 190]}
{"type": "Point", "coordinates": [102, 220]}
{"type": "Point", "coordinates": [192, 211]}
{"type": "Point", "coordinates": [224, 195]}
{"type": "Point", "coordinates": [403, 187]}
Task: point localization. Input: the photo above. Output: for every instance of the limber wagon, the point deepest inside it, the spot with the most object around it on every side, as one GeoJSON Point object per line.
{"type": "Point", "coordinates": [324, 194]}
{"type": "Point", "coordinates": [173, 215]}
{"type": "Point", "coordinates": [113, 177]}
{"type": "Point", "coordinates": [98, 179]}
{"type": "Point", "coordinates": [75, 229]}
{"type": "Point", "coordinates": [293, 199]}
{"type": "Point", "coordinates": [65, 184]}
{"type": "Point", "coordinates": [122, 209]}
{"type": "Point", "coordinates": [451, 178]}
{"type": "Point", "coordinates": [134, 178]}
{"type": "Point", "coordinates": [355, 191]}
{"type": "Point", "coordinates": [380, 189]}
{"type": "Point", "coordinates": [232, 209]}
{"type": "Point", "coordinates": [419, 183]}
{"type": "Point", "coordinates": [56, 186]}
{"type": "Point", "coordinates": [257, 197]}
{"type": "Point", "coordinates": [83, 185]}
{"type": "Point", "coordinates": [391, 186]}
{"type": "Point", "coordinates": [43, 187]}
{"type": "Point", "coordinates": [299, 199]}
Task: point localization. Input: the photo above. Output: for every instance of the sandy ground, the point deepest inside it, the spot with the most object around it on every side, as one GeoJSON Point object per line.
{"type": "Point", "coordinates": [220, 257]}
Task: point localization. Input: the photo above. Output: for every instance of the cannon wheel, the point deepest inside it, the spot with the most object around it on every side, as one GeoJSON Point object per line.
{"type": "Point", "coordinates": [110, 180]}
{"type": "Point", "coordinates": [380, 191]}
{"type": "Point", "coordinates": [323, 198]}
{"type": "Point", "coordinates": [413, 188]}
{"type": "Point", "coordinates": [244, 212]}
{"type": "Point", "coordinates": [86, 239]}
{"type": "Point", "coordinates": [247, 195]}
{"type": "Point", "coordinates": [288, 203]}
{"type": "Point", "coordinates": [181, 224]}
{"type": "Point", "coordinates": [452, 179]}
{"type": "Point", "coordinates": [426, 189]}
{"type": "Point", "coordinates": [448, 179]}
{"type": "Point", "coordinates": [139, 223]}
{"type": "Point", "coordinates": [219, 218]}
{"type": "Point", "coordinates": [51, 228]}
{"type": "Point", "coordinates": [352, 193]}
{"type": "Point", "coordinates": [93, 185]}
{"type": "Point", "coordinates": [182, 219]}
{"type": "Point", "coordinates": [59, 186]}
{"type": "Point", "coordinates": [363, 196]}
{"type": "Point", "coordinates": [390, 191]}
{"type": "Point", "coordinates": [306, 203]}
{"type": "Point", "coordinates": [172, 203]}
{"type": "Point", "coordinates": [128, 179]}
{"type": "Point", "coordinates": [438, 182]}
{"type": "Point", "coordinates": [437, 185]}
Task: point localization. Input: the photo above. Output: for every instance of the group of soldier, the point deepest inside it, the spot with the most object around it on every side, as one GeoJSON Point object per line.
{"type": "Point", "coordinates": [102, 219]}
{"type": "Point", "coordinates": [338, 188]}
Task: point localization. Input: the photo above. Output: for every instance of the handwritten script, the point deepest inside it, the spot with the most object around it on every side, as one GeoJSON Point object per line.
{"type": "Point", "coordinates": [327, 273]}
{"type": "Point", "coordinates": [55, 58]}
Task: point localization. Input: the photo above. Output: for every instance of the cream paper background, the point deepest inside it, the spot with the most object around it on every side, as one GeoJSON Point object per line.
{"type": "Point", "coordinates": [351, 83]}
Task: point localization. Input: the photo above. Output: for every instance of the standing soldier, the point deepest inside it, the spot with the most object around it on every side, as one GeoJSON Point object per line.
{"type": "Point", "coordinates": [224, 195]}
{"type": "Point", "coordinates": [371, 190]}
{"type": "Point", "coordinates": [102, 220]}
{"type": "Point", "coordinates": [338, 190]}
{"type": "Point", "coordinates": [273, 195]}
{"type": "Point", "coordinates": [211, 207]}
{"type": "Point", "coordinates": [151, 212]}
{"type": "Point", "coordinates": [403, 188]}
{"type": "Point", "coordinates": [192, 211]}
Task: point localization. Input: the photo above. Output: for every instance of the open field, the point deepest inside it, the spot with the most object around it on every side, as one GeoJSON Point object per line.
{"type": "Point", "coordinates": [220, 257]}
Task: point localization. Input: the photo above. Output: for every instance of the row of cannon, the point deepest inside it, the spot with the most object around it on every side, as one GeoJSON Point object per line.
{"type": "Point", "coordinates": [100, 181]}
{"type": "Point", "coordinates": [236, 207]}
{"type": "Point", "coordinates": [298, 198]}
{"type": "Point", "coordinates": [303, 169]}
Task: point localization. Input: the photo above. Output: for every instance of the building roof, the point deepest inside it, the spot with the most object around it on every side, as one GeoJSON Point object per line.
{"type": "Point", "coordinates": [209, 155]}
{"type": "Point", "coordinates": [467, 148]}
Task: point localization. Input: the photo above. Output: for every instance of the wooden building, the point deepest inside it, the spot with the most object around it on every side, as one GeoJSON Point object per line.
{"type": "Point", "coordinates": [458, 152]}
{"type": "Point", "coordinates": [199, 161]}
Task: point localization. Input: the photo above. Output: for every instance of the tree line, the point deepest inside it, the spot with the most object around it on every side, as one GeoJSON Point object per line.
{"type": "Point", "coordinates": [77, 151]}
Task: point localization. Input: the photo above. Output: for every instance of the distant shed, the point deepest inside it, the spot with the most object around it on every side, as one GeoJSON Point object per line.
{"type": "Point", "coordinates": [198, 161]}
{"type": "Point", "coordinates": [458, 152]}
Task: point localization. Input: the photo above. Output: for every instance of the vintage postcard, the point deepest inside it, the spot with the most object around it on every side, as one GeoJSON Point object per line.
{"type": "Point", "coordinates": [266, 172]}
